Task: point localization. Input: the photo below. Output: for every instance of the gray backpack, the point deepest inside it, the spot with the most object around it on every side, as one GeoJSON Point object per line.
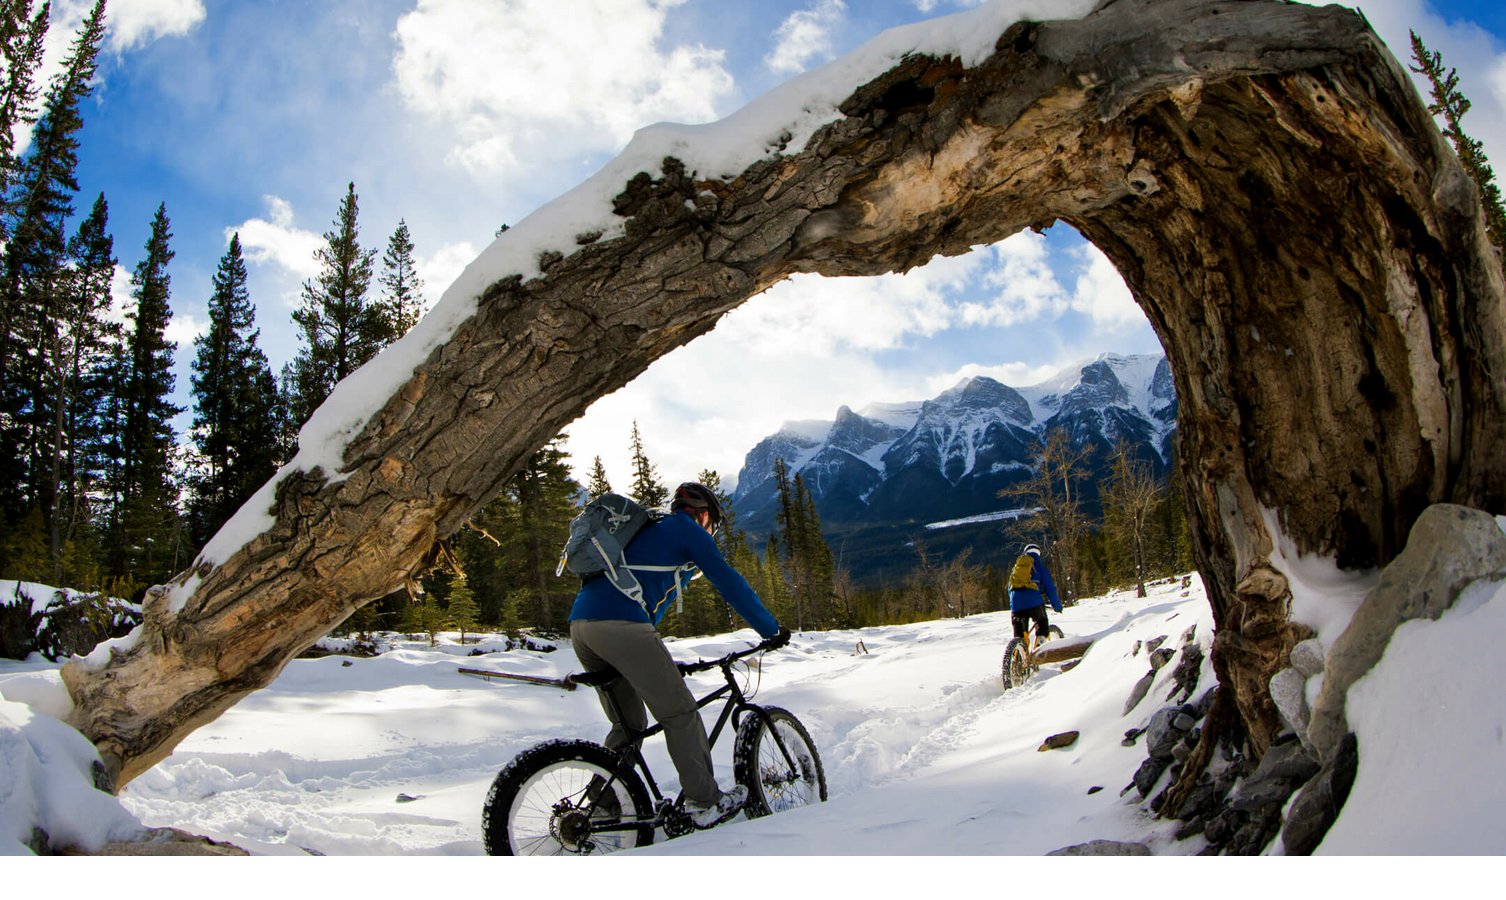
{"type": "Point", "coordinates": [598, 536]}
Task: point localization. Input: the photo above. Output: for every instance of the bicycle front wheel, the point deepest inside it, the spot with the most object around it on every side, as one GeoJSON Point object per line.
{"type": "Point", "coordinates": [777, 761]}
{"type": "Point", "coordinates": [560, 799]}
{"type": "Point", "coordinates": [1053, 633]}
{"type": "Point", "coordinates": [1016, 663]}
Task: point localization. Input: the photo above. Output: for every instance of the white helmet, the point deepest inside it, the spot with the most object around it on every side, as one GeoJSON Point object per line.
{"type": "Point", "coordinates": [1033, 550]}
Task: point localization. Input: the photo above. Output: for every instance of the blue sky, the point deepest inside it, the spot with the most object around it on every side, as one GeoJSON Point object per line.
{"type": "Point", "coordinates": [459, 115]}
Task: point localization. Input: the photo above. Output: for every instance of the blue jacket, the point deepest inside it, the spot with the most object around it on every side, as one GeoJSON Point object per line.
{"type": "Point", "coordinates": [671, 541]}
{"type": "Point", "coordinates": [1021, 599]}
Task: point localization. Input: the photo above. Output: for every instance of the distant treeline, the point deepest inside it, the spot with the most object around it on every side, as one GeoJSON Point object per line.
{"type": "Point", "coordinates": [499, 572]}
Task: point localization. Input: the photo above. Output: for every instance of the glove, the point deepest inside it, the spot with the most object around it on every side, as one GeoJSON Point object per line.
{"type": "Point", "coordinates": [778, 640]}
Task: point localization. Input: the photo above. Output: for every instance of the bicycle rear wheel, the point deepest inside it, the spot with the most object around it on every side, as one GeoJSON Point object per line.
{"type": "Point", "coordinates": [1017, 666]}
{"type": "Point", "coordinates": [777, 761]}
{"type": "Point", "coordinates": [553, 800]}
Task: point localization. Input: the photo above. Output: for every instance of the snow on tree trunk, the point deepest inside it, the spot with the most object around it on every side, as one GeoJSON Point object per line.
{"type": "Point", "coordinates": [1263, 175]}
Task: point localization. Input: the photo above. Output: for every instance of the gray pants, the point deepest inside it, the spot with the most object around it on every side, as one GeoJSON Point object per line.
{"type": "Point", "coordinates": [648, 677]}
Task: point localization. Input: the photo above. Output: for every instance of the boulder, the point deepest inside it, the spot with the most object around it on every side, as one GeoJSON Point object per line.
{"type": "Point", "coordinates": [1307, 657]}
{"type": "Point", "coordinates": [1163, 732]}
{"type": "Point", "coordinates": [1449, 548]}
{"type": "Point", "coordinates": [1103, 848]}
{"type": "Point", "coordinates": [1138, 692]}
{"type": "Point", "coordinates": [1289, 693]}
{"type": "Point", "coordinates": [1317, 805]}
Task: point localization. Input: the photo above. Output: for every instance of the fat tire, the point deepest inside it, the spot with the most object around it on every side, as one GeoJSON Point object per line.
{"type": "Point", "coordinates": [520, 815]}
{"type": "Point", "coordinates": [754, 739]}
{"type": "Point", "coordinates": [1053, 633]}
{"type": "Point", "coordinates": [1016, 670]}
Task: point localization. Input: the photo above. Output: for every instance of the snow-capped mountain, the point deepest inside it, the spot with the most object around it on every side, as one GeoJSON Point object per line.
{"type": "Point", "coordinates": [909, 464]}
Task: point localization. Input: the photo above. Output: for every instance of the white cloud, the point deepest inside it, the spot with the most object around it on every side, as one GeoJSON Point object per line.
{"type": "Point", "coordinates": [517, 76]}
{"type": "Point", "coordinates": [121, 301]}
{"type": "Point", "coordinates": [182, 329]}
{"type": "Point", "coordinates": [1027, 285]}
{"type": "Point", "coordinates": [926, 6]}
{"type": "Point", "coordinates": [1014, 374]}
{"type": "Point", "coordinates": [1100, 291]}
{"type": "Point", "coordinates": [812, 316]}
{"type": "Point", "coordinates": [440, 269]}
{"type": "Point", "coordinates": [129, 24]}
{"type": "Point", "coordinates": [798, 351]}
{"type": "Point", "coordinates": [134, 23]}
{"type": "Point", "coordinates": [805, 36]}
{"type": "Point", "coordinates": [277, 241]}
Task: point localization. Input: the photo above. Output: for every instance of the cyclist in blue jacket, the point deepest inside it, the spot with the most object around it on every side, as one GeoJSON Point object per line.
{"type": "Point", "coordinates": [610, 630]}
{"type": "Point", "coordinates": [1026, 603]}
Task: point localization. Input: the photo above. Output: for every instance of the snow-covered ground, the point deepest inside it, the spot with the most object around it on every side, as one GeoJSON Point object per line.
{"type": "Point", "coordinates": [924, 749]}
{"type": "Point", "coordinates": [925, 753]}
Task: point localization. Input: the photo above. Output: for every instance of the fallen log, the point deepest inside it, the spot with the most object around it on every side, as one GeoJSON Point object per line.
{"type": "Point", "coordinates": [1062, 649]}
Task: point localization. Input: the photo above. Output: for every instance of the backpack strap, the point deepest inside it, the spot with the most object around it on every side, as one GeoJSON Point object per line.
{"type": "Point", "coordinates": [678, 591]}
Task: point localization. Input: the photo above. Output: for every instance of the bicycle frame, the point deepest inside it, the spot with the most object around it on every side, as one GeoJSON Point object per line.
{"type": "Point", "coordinates": [631, 753]}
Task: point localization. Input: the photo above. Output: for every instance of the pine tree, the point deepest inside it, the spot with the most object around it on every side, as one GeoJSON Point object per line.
{"type": "Point", "coordinates": [789, 532]}
{"type": "Point", "coordinates": [1450, 103]}
{"type": "Point", "coordinates": [772, 584]}
{"type": "Point", "coordinates": [340, 329]}
{"type": "Point", "coordinates": [511, 619]}
{"type": "Point", "coordinates": [512, 546]}
{"type": "Point", "coordinates": [597, 483]}
{"type": "Point", "coordinates": [23, 32]}
{"type": "Point", "coordinates": [424, 616]}
{"type": "Point", "coordinates": [545, 502]}
{"type": "Point", "coordinates": [462, 611]}
{"type": "Point", "coordinates": [83, 370]}
{"type": "Point", "coordinates": [146, 546]}
{"type": "Point", "coordinates": [32, 283]}
{"type": "Point", "coordinates": [401, 305]}
{"type": "Point", "coordinates": [816, 557]}
{"type": "Point", "coordinates": [236, 419]}
{"type": "Point", "coordinates": [810, 571]}
{"type": "Point", "coordinates": [646, 489]}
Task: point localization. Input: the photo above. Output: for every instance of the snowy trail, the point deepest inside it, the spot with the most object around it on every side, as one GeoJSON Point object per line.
{"type": "Point", "coordinates": [923, 749]}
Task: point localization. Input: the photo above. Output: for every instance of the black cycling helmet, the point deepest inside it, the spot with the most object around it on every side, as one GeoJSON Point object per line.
{"type": "Point", "coordinates": [1033, 550]}
{"type": "Point", "coordinates": [691, 495]}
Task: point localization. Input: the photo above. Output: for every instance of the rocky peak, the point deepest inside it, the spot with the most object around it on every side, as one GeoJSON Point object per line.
{"type": "Point", "coordinates": [858, 434]}
{"type": "Point", "coordinates": [978, 394]}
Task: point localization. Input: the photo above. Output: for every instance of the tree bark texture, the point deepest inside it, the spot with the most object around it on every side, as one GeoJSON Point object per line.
{"type": "Point", "coordinates": [1263, 175]}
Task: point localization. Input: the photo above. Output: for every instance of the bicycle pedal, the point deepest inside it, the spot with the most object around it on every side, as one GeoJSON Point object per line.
{"type": "Point", "coordinates": [677, 825]}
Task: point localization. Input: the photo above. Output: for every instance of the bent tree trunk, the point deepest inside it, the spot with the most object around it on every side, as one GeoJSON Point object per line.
{"type": "Point", "coordinates": [1263, 175]}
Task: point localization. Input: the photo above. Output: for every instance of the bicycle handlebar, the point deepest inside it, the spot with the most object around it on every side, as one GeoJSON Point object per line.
{"type": "Point", "coordinates": [605, 676]}
{"type": "Point", "coordinates": [706, 665]}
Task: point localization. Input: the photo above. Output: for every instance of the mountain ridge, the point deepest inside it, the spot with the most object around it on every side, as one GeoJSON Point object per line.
{"type": "Point", "coordinates": [898, 466]}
